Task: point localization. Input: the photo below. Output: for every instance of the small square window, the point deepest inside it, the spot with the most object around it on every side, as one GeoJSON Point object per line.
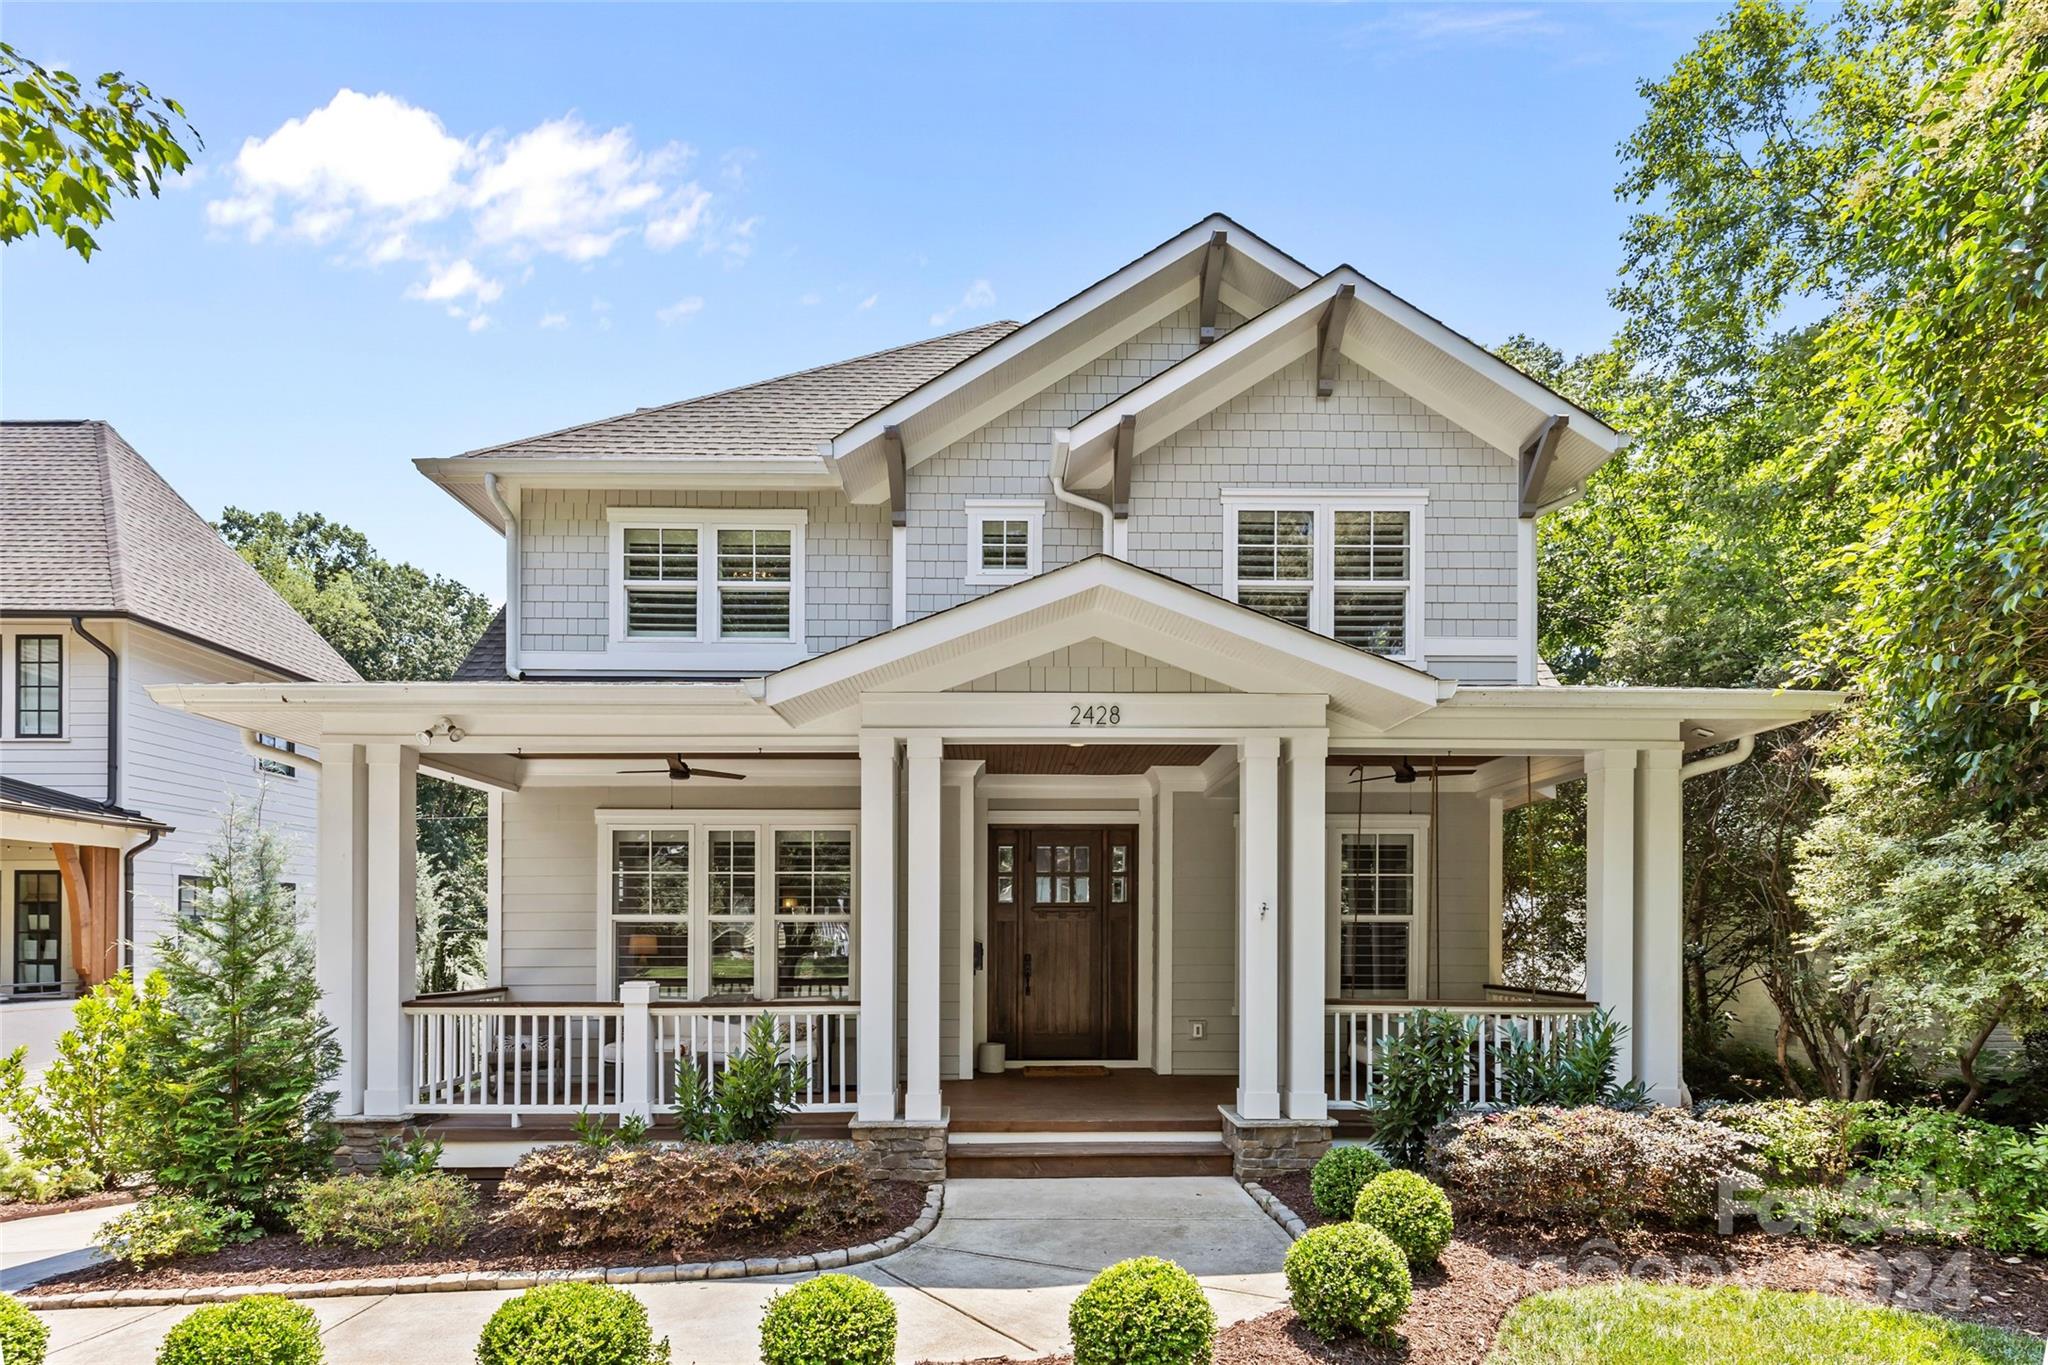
{"type": "Point", "coordinates": [1003, 540]}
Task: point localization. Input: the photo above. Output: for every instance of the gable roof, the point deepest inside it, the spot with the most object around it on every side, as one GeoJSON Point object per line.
{"type": "Point", "coordinates": [93, 530]}
{"type": "Point", "coordinates": [1443, 369]}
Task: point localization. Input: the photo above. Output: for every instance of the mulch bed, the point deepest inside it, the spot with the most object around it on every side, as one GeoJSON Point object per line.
{"type": "Point", "coordinates": [1458, 1306]}
{"type": "Point", "coordinates": [77, 1203]}
{"type": "Point", "coordinates": [284, 1259]}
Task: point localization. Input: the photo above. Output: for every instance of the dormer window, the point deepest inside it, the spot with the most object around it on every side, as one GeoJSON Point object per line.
{"type": "Point", "coordinates": [694, 577]}
{"type": "Point", "coordinates": [1346, 565]}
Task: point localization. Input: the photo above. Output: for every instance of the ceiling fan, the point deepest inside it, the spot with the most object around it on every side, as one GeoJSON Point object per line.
{"type": "Point", "coordinates": [680, 771]}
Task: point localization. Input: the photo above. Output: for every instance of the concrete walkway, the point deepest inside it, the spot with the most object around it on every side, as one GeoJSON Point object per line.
{"type": "Point", "coordinates": [995, 1277]}
{"type": "Point", "coordinates": [34, 1249]}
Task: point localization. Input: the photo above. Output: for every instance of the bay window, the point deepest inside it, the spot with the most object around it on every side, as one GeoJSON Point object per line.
{"type": "Point", "coordinates": [1345, 565]}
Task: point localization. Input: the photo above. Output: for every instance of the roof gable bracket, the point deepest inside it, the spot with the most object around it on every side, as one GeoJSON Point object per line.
{"type": "Point", "coordinates": [1212, 284]}
{"type": "Point", "coordinates": [1330, 338]}
{"type": "Point", "coordinates": [1124, 458]}
{"type": "Point", "coordinates": [899, 496]}
{"type": "Point", "coordinates": [1537, 453]}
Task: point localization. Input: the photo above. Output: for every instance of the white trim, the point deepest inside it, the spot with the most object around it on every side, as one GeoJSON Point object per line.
{"type": "Point", "coordinates": [1324, 504]}
{"type": "Point", "coordinates": [709, 651]}
{"type": "Point", "coordinates": [1418, 935]}
{"type": "Point", "coordinates": [1496, 884]}
{"type": "Point", "coordinates": [899, 575]}
{"type": "Point", "coordinates": [700, 824]}
{"type": "Point", "coordinates": [959, 775]}
{"type": "Point", "coordinates": [494, 888]}
{"type": "Point", "coordinates": [1030, 511]}
{"type": "Point", "coordinates": [1525, 601]}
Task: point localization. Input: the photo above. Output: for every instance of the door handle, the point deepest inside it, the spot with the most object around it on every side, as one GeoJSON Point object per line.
{"type": "Point", "coordinates": [1027, 973]}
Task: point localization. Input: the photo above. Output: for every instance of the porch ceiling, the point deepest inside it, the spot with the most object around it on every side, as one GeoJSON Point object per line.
{"type": "Point", "coordinates": [1081, 760]}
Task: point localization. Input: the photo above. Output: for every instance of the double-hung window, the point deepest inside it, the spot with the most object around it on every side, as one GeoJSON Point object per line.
{"type": "Point", "coordinates": [1378, 898]}
{"type": "Point", "coordinates": [39, 686]}
{"type": "Point", "coordinates": [729, 905]}
{"type": "Point", "coordinates": [1346, 565]}
{"type": "Point", "coordinates": [1004, 539]}
{"type": "Point", "coordinates": [708, 583]}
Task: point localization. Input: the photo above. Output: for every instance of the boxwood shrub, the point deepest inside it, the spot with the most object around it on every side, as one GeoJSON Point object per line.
{"type": "Point", "coordinates": [1339, 1175]}
{"type": "Point", "coordinates": [832, 1320]}
{"type": "Point", "coordinates": [1347, 1279]}
{"type": "Point", "coordinates": [1415, 1215]}
{"type": "Point", "coordinates": [263, 1329]}
{"type": "Point", "coordinates": [574, 1323]}
{"type": "Point", "coordinates": [1144, 1311]}
{"type": "Point", "coordinates": [24, 1339]}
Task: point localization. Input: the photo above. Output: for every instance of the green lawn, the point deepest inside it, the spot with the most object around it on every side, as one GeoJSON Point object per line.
{"type": "Point", "coordinates": [1653, 1324]}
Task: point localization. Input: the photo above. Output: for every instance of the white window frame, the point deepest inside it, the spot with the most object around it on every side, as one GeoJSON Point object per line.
{"type": "Point", "coordinates": [1415, 826]}
{"type": "Point", "coordinates": [282, 765]}
{"type": "Point", "coordinates": [707, 650]}
{"type": "Point", "coordinates": [698, 825]}
{"type": "Point", "coordinates": [1030, 511]}
{"type": "Point", "coordinates": [1324, 504]}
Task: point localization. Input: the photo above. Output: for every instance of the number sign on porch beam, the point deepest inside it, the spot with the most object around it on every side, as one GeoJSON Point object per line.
{"type": "Point", "coordinates": [1120, 471]}
{"type": "Point", "coordinates": [1537, 453]}
{"type": "Point", "coordinates": [892, 455]}
{"type": "Point", "coordinates": [1330, 338]}
{"type": "Point", "coordinates": [1212, 284]}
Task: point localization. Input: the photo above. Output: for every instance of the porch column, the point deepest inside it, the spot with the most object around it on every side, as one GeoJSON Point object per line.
{"type": "Point", "coordinates": [877, 1083]}
{"type": "Point", "coordinates": [1258, 928]}
{"type": "Point", "coordinates": [1660, 927]}
{"type": "Point", "coordinates": [924, 757]}
{"type": "Point", "coordinates": [391, 807]}
{"type": "Point", "coordinates": [1307, 915]}
{"type": "Point", "coordinates": [1610, 890]}
{"type": "Point", "coordinates": [339, 945]}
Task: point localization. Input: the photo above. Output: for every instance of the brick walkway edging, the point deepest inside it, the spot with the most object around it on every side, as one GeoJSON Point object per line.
{"type": "Point", "coordinates": [1290, 1222]}
{"type": "Point", "coordinates": [456, 1281]}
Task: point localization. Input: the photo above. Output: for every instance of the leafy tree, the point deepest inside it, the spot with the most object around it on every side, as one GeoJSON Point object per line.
{"type": "Point", "coordinates": [65, 154]}
{"type": "Point", "coordinates": [450, 943]}
{"type": "Point", "coordinates": [1543, 911]}
{"type": "Point", "coordinates": [237, 1066]}
{"type": "Point", "coordinates": [80, 1114]}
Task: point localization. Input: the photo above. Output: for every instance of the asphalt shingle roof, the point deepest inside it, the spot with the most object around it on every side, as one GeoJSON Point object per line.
{"type": "Point", "coordinates": [787, 416]}
{"type": "Point", "coordinates": [92, 529]}
{"type": "Point", "coordinates": [31, 799]}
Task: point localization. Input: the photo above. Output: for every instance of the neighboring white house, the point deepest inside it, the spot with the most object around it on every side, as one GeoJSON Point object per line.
{"type": "Point", "coordinates": [1045, 656]}
{"type": "Point", "coordinates": [111, 585]}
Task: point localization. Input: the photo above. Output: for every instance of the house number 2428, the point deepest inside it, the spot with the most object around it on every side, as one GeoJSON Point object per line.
{"type": "Point", "coordinates": [1100, 714]}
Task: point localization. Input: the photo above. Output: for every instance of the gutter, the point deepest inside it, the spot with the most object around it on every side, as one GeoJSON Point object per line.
{"type": "Point", "coordinates": [113, 709]}
{"type": "Point", "coordinates": [1073, 499]}
{"type": "Point", "coordinates": [1699, 767]}
{"type": "Point", "coordinates": [511, 523]}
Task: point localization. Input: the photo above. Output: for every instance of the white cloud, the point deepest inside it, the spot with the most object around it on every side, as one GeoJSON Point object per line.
{"type": "Point", "coordinates": [868, 302]}
{"type": "Point", "coordinates": [387, 182]}
{"type": "Point", "coordinates": [550, 321]}
{"type": "Point", "coordinates": [680, 309]}
{"type": "Point", "coordinates": [811, 299]}
{"type": "Point", "coordinates": [980, 295]}
{"type": "Point", "coordinates": [479, 322]}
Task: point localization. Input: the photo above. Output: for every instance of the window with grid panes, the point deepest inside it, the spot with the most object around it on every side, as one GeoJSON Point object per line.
{"type": "Point", "coordinates": [660, 574]}
{"type": "Point", "coordinates": [1376, 913]}
{"type": "Point", "coordinates": [39, 686]}
{"type": "Point", "coordinates": [730, 882]}
{"type": "Point", "coordinates": [754, 574]}
{"type": "Point", "coordinates": [1343, 566]}
{"type": "Point", "coordinates": [1369, 579]}
{"type": "Point", "coordinates": [813, 914]}
{"type": "Point", "coordinates": [650, 909]}
{"type": "Point", "coordinates": [1276, 554]}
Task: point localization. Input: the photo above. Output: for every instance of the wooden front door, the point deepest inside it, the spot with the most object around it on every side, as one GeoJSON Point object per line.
{"type": "Point", "coordinates": [1063, 951]}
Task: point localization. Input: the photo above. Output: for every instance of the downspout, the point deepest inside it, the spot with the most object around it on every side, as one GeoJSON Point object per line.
{"type": "Point", "coordinates": [113, 710]}
{"type": "Point", "coordinates": [1073, 499]}
{"type": "Point", "coordinates": [128, 895]}
{"type": "Point", "coordinates": [511, 574]}
{"type": "Point", "coordinates": [1744, 747]}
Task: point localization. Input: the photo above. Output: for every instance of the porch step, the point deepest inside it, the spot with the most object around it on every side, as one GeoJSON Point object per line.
{"type": "Point", "coordinates": [1051, 1154]}
{"type": "Point", "coordinates": [1026, 1123]}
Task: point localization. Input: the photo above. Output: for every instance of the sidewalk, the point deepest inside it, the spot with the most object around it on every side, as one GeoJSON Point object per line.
{"type": "Point", "coordinates": [32, 1249]}
{"type": "Point", "coordinates": [995, 1277]}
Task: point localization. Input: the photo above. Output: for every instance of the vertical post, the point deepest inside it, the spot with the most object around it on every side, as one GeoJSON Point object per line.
{"type": "Point", "coordinates": [636, 1050]}
{"type": "Point", "coordinates": [1496, 885]}
{"type": "Point", "coordinates": [1307, 924]}
{"type": "Point", "coordinates": [1525, 601]}
{"type": "Point", "coordinates": [1258, 920]}
{"type": "Point", "coordinates": [877, 1082]}
{"type": "Point", "coordinates": [1610, 890]}
{"type": "Point", "coordinates": [339, 947]}
{"type": "Point", "coordinates": [392, 807]}
{"type": "Point", "coordinates": [1660, 929]}
{"type": "Point", "coordinates": [925, 755]}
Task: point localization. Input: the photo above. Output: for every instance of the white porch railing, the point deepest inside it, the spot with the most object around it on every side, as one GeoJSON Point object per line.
{"type": "Point", "coordinates": [479, 1052]}
{"type": "Point", "coordinates": [1360, 1031]}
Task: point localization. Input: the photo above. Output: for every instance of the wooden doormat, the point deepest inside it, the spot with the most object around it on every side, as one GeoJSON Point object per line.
{"type": "Point", "coordinates": [1047, 1073]}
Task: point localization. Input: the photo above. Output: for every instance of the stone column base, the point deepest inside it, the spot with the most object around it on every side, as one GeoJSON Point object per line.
{"type": "Point", "coordinates": [1265, 1147]}
{"type": "Point", "coordinates": [362, 1142]}
{"type": "Point", "coordinates": [899, 1150]}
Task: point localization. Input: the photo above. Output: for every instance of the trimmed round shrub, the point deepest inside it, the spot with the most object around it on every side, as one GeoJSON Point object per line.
{"type": "Point", "coordinates": [1347, 1279]}
{"type": "Point", "coordinates": [1339, 1175]}
{"type": "Point", "coordinates": [832, 1320]}
{"type": "Point", "coordinates": [263, 1329]}
{"type": "Point", "coordinates": [1144, 1311]}
{"type": "Point", "coordinates": [577, 1323]}
{"type": "Point", "coordinates": [24, 1340]}
{"type": "Point", "coordinates": [1415, 1215]}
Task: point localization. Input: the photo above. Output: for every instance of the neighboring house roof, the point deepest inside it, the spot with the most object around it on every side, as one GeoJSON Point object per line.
{"type": "Point", "coordinates": [93, 530]}
{"type": "Point", "coordinates": [485, 661]}
{"type": "Point", "coordinates": [26, 798]}
{"type": "Point", "coordinates": [785, 416]}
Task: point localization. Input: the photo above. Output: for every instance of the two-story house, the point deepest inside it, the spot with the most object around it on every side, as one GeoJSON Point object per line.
{"type": "Point", "coordinates": [1129, 698]}
{"type": "Point", "coordinates": [110, 584]}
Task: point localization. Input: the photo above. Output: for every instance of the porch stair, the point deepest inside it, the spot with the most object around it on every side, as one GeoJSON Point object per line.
{"type": "Point", "coordinates": [1079, 1148]}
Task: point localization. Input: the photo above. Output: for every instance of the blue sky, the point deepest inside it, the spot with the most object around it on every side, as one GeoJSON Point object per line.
{"type": "Point", "coordinates": [417, 230]}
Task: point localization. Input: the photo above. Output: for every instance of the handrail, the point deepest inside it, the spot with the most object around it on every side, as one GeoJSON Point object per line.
{"type": "Point", "coordinates": [741, 1006]}
{"type": "Point", "coordinates": [470, 993]}
{"type": "Point", "coordinates": [1533, 990]}
{"type": "Point", "coordinates": [1450, 1006]}
{"type": "Point", "coordinates": [434, 1002]}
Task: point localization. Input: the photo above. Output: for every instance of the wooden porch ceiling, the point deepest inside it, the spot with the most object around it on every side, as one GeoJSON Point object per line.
{"type": "Point", "coordinates": [1080, 760]}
